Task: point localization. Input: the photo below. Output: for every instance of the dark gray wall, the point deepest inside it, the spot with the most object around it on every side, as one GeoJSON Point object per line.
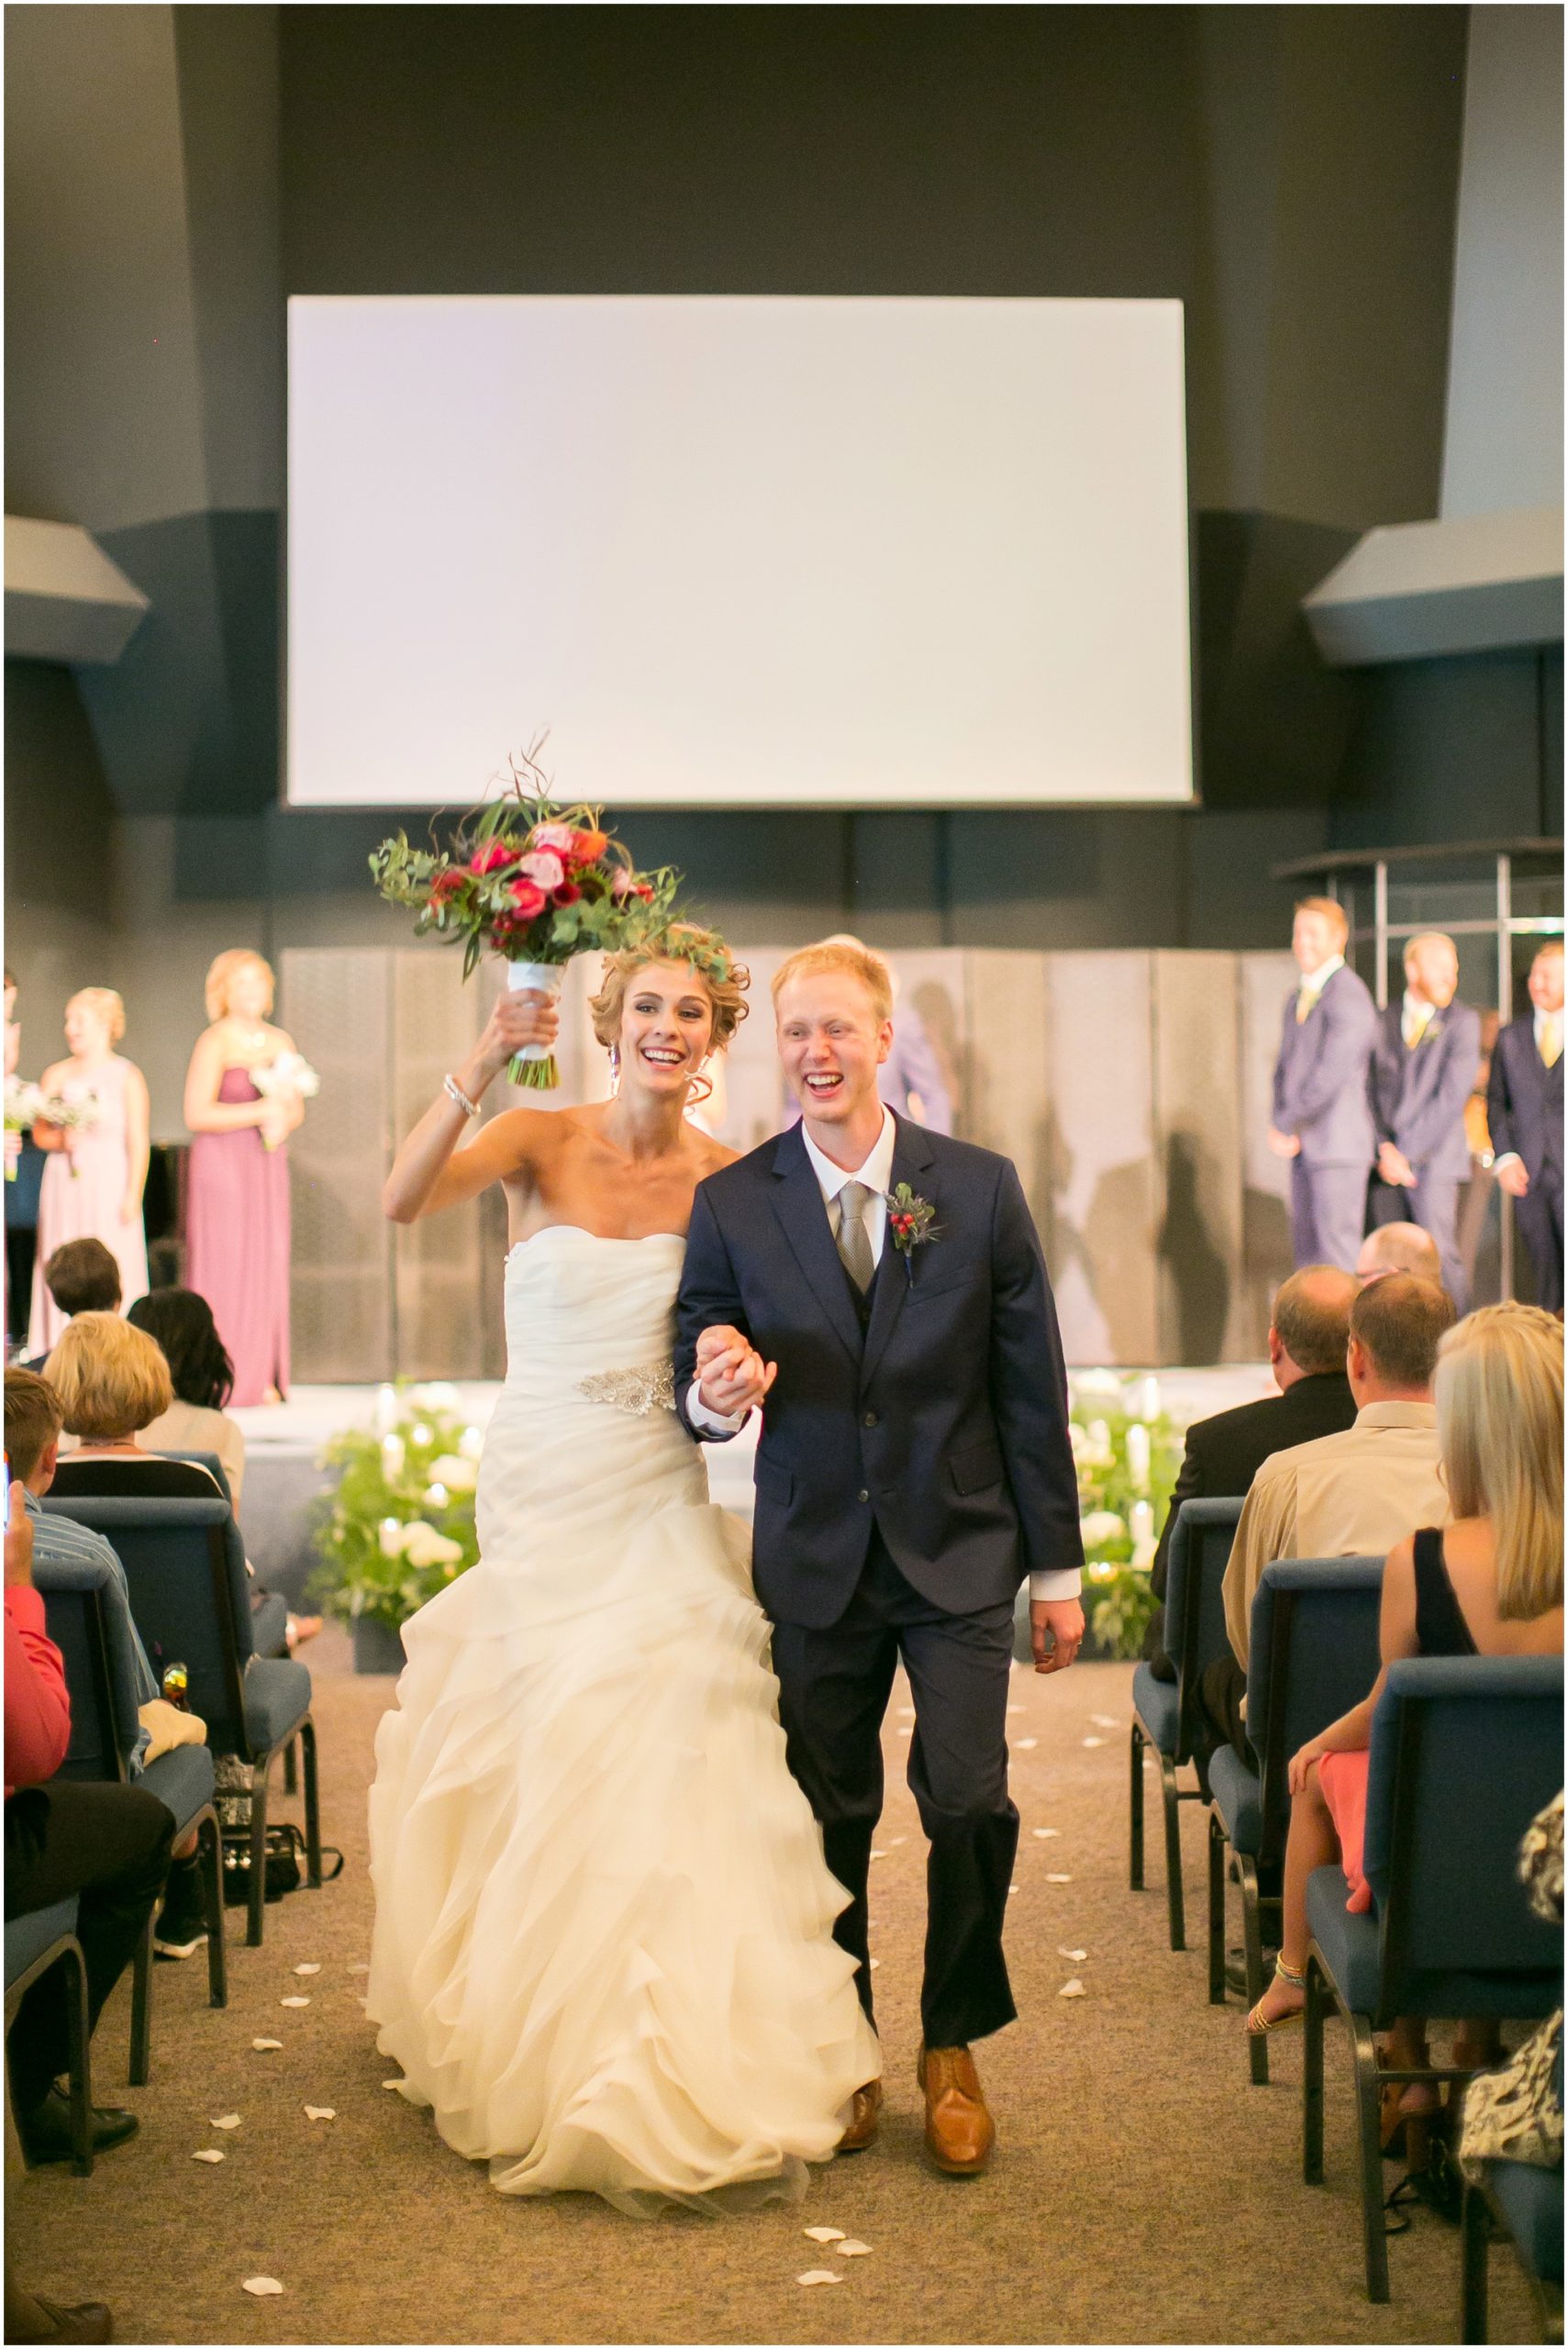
{"type": "Point", "coordinates": [1289, 172]}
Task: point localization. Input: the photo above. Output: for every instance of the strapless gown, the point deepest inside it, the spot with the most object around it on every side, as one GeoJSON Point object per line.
{"type": "Point", "coordinates": [603, 1951]}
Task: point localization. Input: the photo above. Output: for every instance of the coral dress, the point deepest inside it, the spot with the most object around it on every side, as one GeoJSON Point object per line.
{"type": "Point", "coordinates": [81, 1194]}
{"type": "Point", "coordinates": [237, 1245]}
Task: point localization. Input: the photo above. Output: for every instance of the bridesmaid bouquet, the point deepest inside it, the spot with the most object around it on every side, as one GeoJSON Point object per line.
{"type": "Point", "coordinates": [535, 883]}
{"type": "Point", "coordinates": [23, 1107]}
{"type": "Point", "coordinates": [68, 1118]}
{"type": "Point", "coordinates": [289, 1073]}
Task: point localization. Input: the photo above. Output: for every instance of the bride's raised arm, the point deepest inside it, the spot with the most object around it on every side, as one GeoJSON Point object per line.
{"type": "Point", "coordinates": [429, 1172]}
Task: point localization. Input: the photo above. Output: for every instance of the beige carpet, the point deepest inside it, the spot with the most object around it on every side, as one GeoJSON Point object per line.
{"type": "Point", "coordinates": [1143, 2191]}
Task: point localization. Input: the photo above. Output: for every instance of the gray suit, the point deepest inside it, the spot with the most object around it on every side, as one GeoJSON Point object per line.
{"type": "Point", "coordinates": [1418, 1093]}
{"type": "Point", "coordinates": [1320, 1095]}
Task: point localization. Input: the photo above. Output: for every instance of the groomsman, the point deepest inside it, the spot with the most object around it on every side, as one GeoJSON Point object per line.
{"type": "Point", "coordinates": [1523, 1110]}
{"type": "Point", "coordinates": [1322, 1116]}
{"type": "Point", "coordinates": [1428, 1048]}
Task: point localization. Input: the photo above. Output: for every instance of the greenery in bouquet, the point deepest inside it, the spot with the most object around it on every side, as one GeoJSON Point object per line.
{"type": "Point", "coordinates": [533, 881]}
{"type": "Point", "coordinates": [1127, 1463]}
{"type": "Point", "coordinates": [400, 1525]}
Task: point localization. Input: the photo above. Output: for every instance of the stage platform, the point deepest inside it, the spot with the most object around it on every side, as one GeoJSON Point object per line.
{"type": "Point", "coordinates": [285, 1477]}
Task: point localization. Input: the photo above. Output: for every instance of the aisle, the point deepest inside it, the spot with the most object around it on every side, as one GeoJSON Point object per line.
{"type": "Point", "coordinates": [1143, 2192]}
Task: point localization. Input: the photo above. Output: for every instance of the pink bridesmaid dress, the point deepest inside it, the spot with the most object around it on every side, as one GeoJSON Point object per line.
{"type": "Point", "coordinates": [237, 1245]}
{"type": "Point", "coordinates": [81, 1196]}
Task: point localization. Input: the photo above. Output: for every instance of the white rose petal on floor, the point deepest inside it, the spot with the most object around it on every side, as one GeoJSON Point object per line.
{"type": "Point", "coordinates": [824, 2234]}
{"type": "Point", "coordinates": [1073, 1989]}
{"type": "Point", "coordinates": [307, 1969]}
{"type": "Point", "coordinates": [262, 2288]}
{"type": "Point", "coordinates": [1077, 1955]}
{"type": "Point", "coordinates": [818, 2276]}
{"type": "Point", "coordinates": [1025, 1745]}
{"type": "Point", "coordinates": [853, 2251]}
{"type": "Point", "coordinates": [294, 2002]}
{"type": "Point", "coordinates": [321, 2112]}
{"type": "Point", "coordinates": [1105, 1720]}
{"type": "Point", "coordinates": [209, 2153]}
{"type": "Point", "coordinates": [1042, 1834]}
{"type": "Point", "coordinates": [229, 2120]}
{"type": "Point", "coordinates": [1052, 1878]}
{"type": "Point", "coordinates": [261, 2043]}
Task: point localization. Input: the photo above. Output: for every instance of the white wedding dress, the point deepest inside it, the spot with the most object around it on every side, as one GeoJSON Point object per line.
{"type": "Point", "coordinates": [603, 1951]}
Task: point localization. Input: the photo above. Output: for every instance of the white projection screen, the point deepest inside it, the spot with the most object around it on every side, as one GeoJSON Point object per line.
{"type": "Point", "coordinates": [738, 552]}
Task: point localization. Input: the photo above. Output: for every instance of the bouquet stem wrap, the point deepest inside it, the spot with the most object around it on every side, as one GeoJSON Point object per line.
{"type": "Point", "coordinates": [534, 1065]}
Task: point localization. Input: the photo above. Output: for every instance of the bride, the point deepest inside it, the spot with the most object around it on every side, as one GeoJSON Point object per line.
{"type": "Point", "coordinates": [603, 1951]}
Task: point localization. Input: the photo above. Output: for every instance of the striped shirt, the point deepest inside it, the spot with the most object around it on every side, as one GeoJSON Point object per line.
{"type": "Point", "coordinates": [60, 1541]}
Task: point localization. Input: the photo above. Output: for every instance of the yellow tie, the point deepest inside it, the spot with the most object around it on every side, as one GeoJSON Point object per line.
{"type": "Point", "coordinates": [1306, 998]}
{"type": "Point", "coordinates": [1551, 1040]}
{"type": "Point", "coordinates": [1422, 1017]}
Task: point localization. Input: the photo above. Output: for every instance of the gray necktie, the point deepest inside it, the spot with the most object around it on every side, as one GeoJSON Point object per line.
{"type": "Point", "coordinates": [854, 1239]}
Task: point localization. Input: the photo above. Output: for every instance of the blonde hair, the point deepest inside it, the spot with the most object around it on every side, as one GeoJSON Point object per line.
{"type": "Point", "coordinates": [724, 980]}
{"type": "Point", "coordinates": [112, 1379]}
{"type": "Point", "coordinates": [1330, 909]}
{"type": "Point", "coordinates": [841, 954]}
{"type": "Point", "coordinates": [1429, 937]}
{"type": "Point", "coordinates": [108, 1006]}
{"type": "Point", "coordinates": [223, 971]}
{"type": "Point", "coordinates": [1499, 1397]}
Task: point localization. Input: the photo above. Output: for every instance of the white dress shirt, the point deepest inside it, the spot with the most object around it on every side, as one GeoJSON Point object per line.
{"type": "Point", "coordinates": [1414, 1018]}
{"type": "Point", "coordinates": [1314, 981]}
{"type": "Point", "coordinates": [876, 1174]}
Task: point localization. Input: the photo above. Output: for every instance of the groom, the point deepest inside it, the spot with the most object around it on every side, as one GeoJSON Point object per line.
{"type": "Point", "coordinates": [883, 1288]}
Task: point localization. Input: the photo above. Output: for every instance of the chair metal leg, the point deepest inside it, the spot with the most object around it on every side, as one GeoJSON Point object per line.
{"type": "Point", "coordinates": [1368, 2113]}
{"type": "Point", "coordinates": [1170, 1797]}
{"type": "Point", "coordinates": [312, 1807]}
{"type": "Point", "coordinates": [1252, 1948]}
{"type": "Point", "coordinates": [1475, 2233]}
{"type": "Point", "coordinates": [141, 2006]}
{"type": "Point", "coordinates": [211, 1838]}
{"type": "Point", "coordinates": [291, 1769]}
{"type": "Point", "coordinates": [79, 2059]}
{"type": "Point", "coordinates": [256, 1891]}
{"type": "Point", "coordinates": [1216, 1912]}
{"type": "Point", "coordinates": [1135, 1811]}
{"type": "Point", "coordinates": [1312, 2076]}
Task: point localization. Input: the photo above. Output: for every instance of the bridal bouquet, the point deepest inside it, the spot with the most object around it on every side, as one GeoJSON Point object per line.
{"type": "Point", "coordinates": [535, 883]}
{"type": "Point", "coordinates": [289, 1073]}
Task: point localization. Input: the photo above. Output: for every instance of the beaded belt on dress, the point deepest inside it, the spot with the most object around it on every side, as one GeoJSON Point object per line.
{"type": "Point", "coordinates": [652, 1388]}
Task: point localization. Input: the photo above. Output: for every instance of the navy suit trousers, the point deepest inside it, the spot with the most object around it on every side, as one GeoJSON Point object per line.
{"type": "Point", "coordinates": [833, 1690]}
{"type": "Point", "coordinates": [1537, 1217]}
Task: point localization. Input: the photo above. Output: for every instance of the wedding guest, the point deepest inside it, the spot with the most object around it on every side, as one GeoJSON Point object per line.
{"type": "Point", "coordinates": [97, 1170]}
{"type": "Point", "coordinates": [1423, 1070]}
{"type": "Point", "coordinates": [1524, 1108]}
{"type": "Point", "coordinates": [1308, 1336]}
{"type": "Point", "coordinates": [82, 1278]}
{"type": "Point", "coordinates": [1348, 1495]}
{"type": "Point", "coordinates": [180, 1322]}
{"type": "Point", "coordinates": [25, 1164]}
{"type": "Point", "coordinates": [107, 1845]}
{"type": "Point", "coordinates": [1399, 1248]}
{"type": "Point", "coordinates": [1489, 1583]}
{"type": "Point", "coordinates": [236, 1202]}
{"type": "Point", "coordinates": [113, 1381]}
{"type": "Point", "coordinates": [1322, 1118]}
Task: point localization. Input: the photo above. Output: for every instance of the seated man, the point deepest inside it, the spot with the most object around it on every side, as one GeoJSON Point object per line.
{"type": "Point", "coordinates": [1399, 1248]}
{"type": "Point", "coordinates": [108, 1844]}
{"type": "Point", "coordinates": [1352, 1495]}
{"type": "Point", "coordinates": [1308, 1337]}
{"type": "Point", "coordinates": [82, 1278]}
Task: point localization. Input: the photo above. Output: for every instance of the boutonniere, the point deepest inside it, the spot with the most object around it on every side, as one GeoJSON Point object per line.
{"type": "Point", "coordinates": [912, 1220]}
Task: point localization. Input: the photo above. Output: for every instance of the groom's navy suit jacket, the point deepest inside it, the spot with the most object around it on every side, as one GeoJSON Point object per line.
{"type": "Point", "coordinates": [938, 1416]}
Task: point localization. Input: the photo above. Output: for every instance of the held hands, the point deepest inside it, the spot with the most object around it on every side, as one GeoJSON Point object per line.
{"type": "Point", "coordinates": [1394, 1167]}
{"type": "Point", "coordinates": [731, 1374]}
{"type": "Point", "coordinates": [1513, 1178]}
{"type": "Point", "coordinates": [1284, 1146]}
{"type": "Point", "coordinates": [524, 1017]}
{"type": "Point", "coordinates": [1056, 1632]}
{"type": "Point", "coordinates": [1300, 1763]}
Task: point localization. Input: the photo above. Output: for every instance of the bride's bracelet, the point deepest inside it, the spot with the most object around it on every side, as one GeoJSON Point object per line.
{"type": "Point", "coordinates": [455, 1092]}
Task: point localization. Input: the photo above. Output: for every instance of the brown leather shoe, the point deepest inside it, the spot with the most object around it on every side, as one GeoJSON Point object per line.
{"type": "Point", "coordinates": [865, 2111]}
{"type": "Point", "coordinates": [960, 2132]}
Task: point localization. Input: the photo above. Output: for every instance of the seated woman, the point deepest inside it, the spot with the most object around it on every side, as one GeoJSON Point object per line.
{"type": "Point", "coordinates": [114, 1384]}
{"type": "Point", "coordinates": [1490, 1584]}
{"type": "Point", "coordinates": [180, 1322]}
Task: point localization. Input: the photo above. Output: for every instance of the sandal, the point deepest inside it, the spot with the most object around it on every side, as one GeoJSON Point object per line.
{"type": "Point", "coordinates": [1258, 2023]}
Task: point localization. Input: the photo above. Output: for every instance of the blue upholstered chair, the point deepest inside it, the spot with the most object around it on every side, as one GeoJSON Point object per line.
{"type": "Point", "coordinates": [34, 1942]}
{"type": "Point", "coordinates": [269, 1626]}
{"type": "Point", "coordinates": [1527, 2203]}
{"type": "Point", "coordinates": [1164, 1712]}
{"type": "Point", "coordinates": [100, 1674]}
{"type": "Point", "coordinates": [190, 1596]}
{"type": "Point", "coordinates": [1465, 1750]}
{"type": "Point", "coordinates": [1312, 1653]}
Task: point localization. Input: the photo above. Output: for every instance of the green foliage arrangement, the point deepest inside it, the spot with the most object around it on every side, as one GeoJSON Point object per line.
{"type": "Point", "coordinates": [1112, 1481]}
{"type": "Point", "coordinates": [400, 1525]}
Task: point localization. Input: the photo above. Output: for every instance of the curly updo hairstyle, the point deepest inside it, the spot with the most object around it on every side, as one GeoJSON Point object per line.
{"type": "Point", "coordinates": [725, 979]}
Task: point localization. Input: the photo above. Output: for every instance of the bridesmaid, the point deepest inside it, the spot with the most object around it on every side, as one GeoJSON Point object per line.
{"type": "Point", "coordinates": [96, 1173]}
{"type": "Point", "coordinates": [237, 1201]}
